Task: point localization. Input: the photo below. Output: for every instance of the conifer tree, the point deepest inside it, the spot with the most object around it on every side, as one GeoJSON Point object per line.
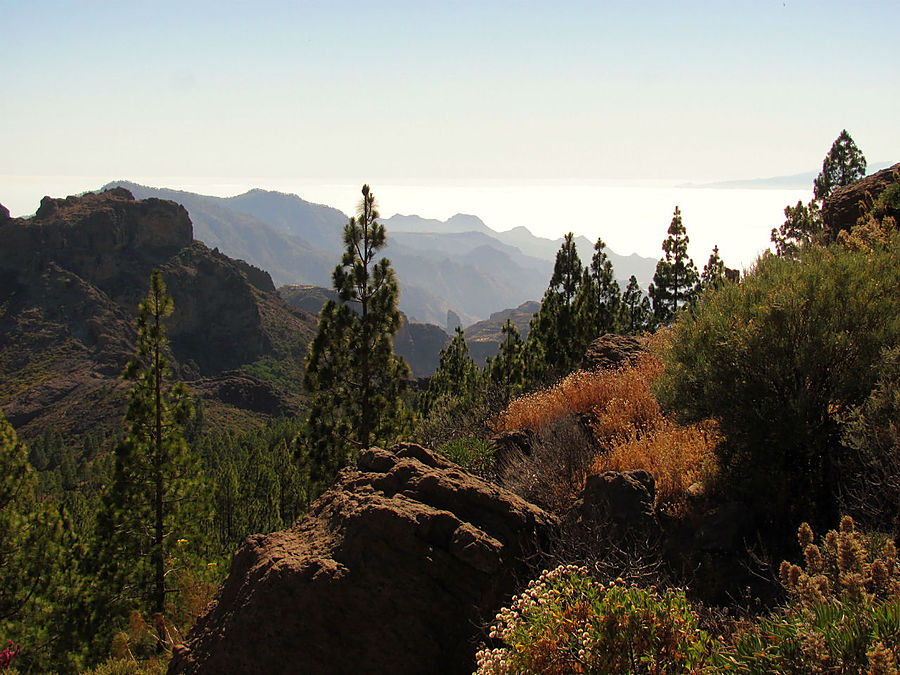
{"type": "Point", "coordinates": [457, 375]}
{"type": "Point", "coordinates": [29, 550]}
{"type": "Point", "coordinates": [556, 343]}
{"type": "Point", "coordinates": [713, 275]}
{"type": "Point", "coordinates": [802, 224]}
{"type": "Point", "coordinates": [844, 164]}
{"type": "Point", "coordinates": [675, 281]}
{"type": "Point", "coordinates": [599, 298]}
{"type": "Point", "coordinates": [635, 308]}
{"type": "Point", "coordinates": [157, 498]}
{"type": "Point", "coordinates": [506, 371]}
{"type": "Point", "coordinates": [352, 375]}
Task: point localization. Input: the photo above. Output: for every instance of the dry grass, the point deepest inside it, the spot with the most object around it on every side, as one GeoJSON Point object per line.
{"type": "Point", "coordinates": [677, 456]}
{"type": "Point", "coordinates": [611, 397]}
{"type": "Point", "coordinates": [628, 426]}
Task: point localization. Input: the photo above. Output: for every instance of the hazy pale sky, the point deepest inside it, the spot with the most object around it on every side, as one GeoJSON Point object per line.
{"type": "Point", "coordinates": [452, 90]}
{"type": "Point", "coordinates": [435, 93]}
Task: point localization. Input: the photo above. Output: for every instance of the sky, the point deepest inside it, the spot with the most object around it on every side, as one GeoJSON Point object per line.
{"type": "Point", "coordinates": [450, 95]}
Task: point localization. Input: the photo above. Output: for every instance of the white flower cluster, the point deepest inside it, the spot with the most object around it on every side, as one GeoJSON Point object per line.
{"type": "Point", "coordinates": [537, 595]}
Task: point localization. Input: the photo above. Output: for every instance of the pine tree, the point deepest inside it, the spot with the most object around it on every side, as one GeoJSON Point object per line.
{"type": "Point", "coordinates": [713, 275]}
{"type": "Point", "coordinates": [156, 502]}
{"type": "Point", "coordinates": [507, 370]}
{"type": "Point", "coordinates": [635, 308]}
{"type": "Point", "coordinates": [29, 551]}
{"type": "Point", "coordinates": [802, 224]}
{"type": "Point", "coordinates": [457, 375]}
{"type": "Point", "coordinates": [599, 296]}
{"type": "Point", "coordinates": [556, 344]}
{"type": "Point", "coordinates": [354, 380]}
{"type": "Point", "coordinates": [843, 165]}
{"type": "Point", "coordinates": [675, 281]}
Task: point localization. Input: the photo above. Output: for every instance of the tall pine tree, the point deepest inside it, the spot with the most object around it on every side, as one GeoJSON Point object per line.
{"type": "Point", "coordinates": [352, 375]}
{"type": "Point", "coordinates": [506, 371]}
{"type": "Point", "coordinates": [599, 296]}
{"type": "Point", "coordinates": [844, 164]}
{"type": "Point", "coordinates": [457, 375]}
{"type": "Point", "coordinates": [555, 345]}
{"type": "Point", "coordinates": [674, 284]}
{"type": "Point", "coordinates": [635, 308]}
{"type": "Point", "coordinates": [157, 502]}
{"type": "Point", "coordinates": [713, 275]}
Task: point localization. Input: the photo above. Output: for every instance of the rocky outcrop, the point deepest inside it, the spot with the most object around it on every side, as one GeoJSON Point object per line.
{"type": "Point", "coordinates": [393, 571]}
{"type": "Point", "coordinates": [844, 206]}
{"type": "Point", "coordinates": [247, 393]}
{"type": "Point", "coordinates": [71, 279]}
{"type": "Point", "coordinates": [625, 501]}
{"type": "Point", "coordinates": [612, 351]}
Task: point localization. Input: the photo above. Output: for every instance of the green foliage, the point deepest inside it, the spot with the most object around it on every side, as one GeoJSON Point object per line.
{"type": "Point", "coordinates": [802, 225]}
{"type": "Point", "coordinates": [713, 274]}
{"type": "Point", "coordinates": [354, 380]}
{"type": "Point", "coordinates": [635, 309]}
{"type": "Point", "coordinates": [457, 375]}
{"type": "Point", "coordinates": [555, 343]}
{"type": "Point", "coordinates": [156, 502]}
{"type": "Point", "coordinates": [599, 297]}
{"type": "Point", "coordinates": [475, 455]}
{"type": "Point", "coordinates": [844, 612]}
{"type": "Point", "coordinates": [565, 622]}
{"type": "Point", "coordinates": [30, 552]}
{"type": "Point", "coordinates": [506, 371]}
{"type": "Point", "coordinates": [779, 361]}
{"type": "Point", "coordinates": [872, 436]}
{"type": "Point", "coordinates": [675, 281]}
{"type": "Point", "coordinates": [844, 164]}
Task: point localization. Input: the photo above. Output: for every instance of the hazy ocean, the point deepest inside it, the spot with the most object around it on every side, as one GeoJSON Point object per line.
{"type": "Point", "coordinates": [631, 218]}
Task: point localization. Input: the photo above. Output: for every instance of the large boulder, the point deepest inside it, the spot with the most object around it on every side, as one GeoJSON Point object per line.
{"type": "Point", "coordinates": [612, 351]}
{"type": "Point", "coordinates": [393, 571]}
{"type": "Point", "coordinates": [844, 206]}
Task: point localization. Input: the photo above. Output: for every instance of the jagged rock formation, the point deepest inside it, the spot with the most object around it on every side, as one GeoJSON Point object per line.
{"type": "Point", "coordinates": [71, 279]}
{"type": "Point", "coordinates": [484, 337]}
{"type": "Point", "coordinates": [844, 207]}
{"type": "Point", "coordinates": [394, 570]}
{"type": "Point", "coordinates": [612, 351]}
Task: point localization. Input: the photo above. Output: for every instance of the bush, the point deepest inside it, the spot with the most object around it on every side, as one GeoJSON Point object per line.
{"type": "Point", "coordinates": [872, 436]}
{"type": "Point", "coordinates": [565, 622]}
{"type": "Point", "coordinates": [677, 456]}
{"type": "Point", "coordinates": [473, 454]}
{"type": "Point", "coordinates": [779, 361]}
{"type": "Point", "coordinates": [843, 616]}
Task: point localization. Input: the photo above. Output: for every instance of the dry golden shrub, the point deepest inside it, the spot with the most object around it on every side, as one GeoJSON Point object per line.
{"type": "Point", "coordinates": [677, 456]}
{"type": "Point", "coordinates": [613, 398]}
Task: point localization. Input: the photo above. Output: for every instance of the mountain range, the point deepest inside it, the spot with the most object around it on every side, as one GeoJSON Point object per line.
{"type": "Point", "coordinates": [459, 265]}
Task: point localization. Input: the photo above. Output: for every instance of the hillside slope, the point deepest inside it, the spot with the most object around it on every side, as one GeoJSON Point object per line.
{"type": "Point", "coordinates": [72, 277]}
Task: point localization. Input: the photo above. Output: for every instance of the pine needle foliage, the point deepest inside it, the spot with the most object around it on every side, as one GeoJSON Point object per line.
{"type": "Point", "coordinates": [674, 284]}
{"type": "Point", "coordinates": [157, 497]}
{"type": "Point", "coordinates": [354, 379]}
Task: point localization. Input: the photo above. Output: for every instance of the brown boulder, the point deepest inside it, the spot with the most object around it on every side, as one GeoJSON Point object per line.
{"type": "Point", "coordinates": [393, 570]}
{"type": "Point", "coordinates": [612, 351]}
{"type": "Point", "coordinates": [844, 206]}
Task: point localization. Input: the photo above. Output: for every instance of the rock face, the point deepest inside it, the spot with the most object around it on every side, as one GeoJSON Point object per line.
{"type": "Point", "coordinates": [625, 500]}
{"type": "Point", "coordinates": [612, 351]}
{"type": "Point", "coordinates": [842, 209]}
{"type": "Point", "coordinates": [71, 279]}
{"type": "Point", "coordinates": [393, 571]}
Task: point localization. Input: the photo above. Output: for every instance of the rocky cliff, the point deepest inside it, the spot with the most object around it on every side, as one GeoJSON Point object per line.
{"type": "Point", "coordinates": [845, 205]}
{"type": "Point", "coordinates": [72, 277]}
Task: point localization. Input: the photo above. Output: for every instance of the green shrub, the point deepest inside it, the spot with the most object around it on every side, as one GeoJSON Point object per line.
{"type": "Point", "coordinates": [473, 454]}
{"type": "Point", "coordinates": [779, 361]}
{"type": "Point", "coordinates": [843, 616]}
{"type": "Point", "coordinates": [872, 466]}
{"type": "Point", "coordinates": [565, 622]}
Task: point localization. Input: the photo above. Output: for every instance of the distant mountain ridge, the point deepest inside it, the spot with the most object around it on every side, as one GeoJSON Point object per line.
{"type": "Point", "coordinates": [458, 265]}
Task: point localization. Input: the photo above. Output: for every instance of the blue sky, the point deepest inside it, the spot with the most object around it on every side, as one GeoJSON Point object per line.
{"type": "Point", "coordinates": [508, 91]}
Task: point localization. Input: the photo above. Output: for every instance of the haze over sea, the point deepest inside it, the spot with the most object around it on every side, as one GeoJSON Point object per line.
{"type": "Point", "coordinates": [630, 216]}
